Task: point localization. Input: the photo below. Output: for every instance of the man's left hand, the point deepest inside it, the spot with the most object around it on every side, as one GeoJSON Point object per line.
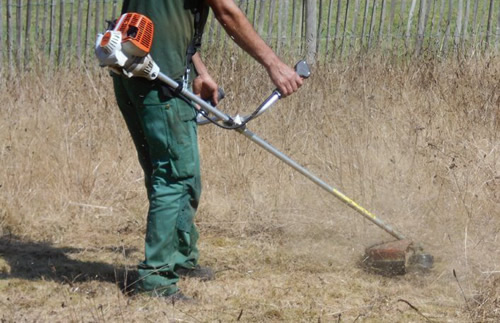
{"type": "Point", "coordinates": [205, 87]}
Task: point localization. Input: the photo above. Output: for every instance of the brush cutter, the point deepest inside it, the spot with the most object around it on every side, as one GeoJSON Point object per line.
{"type": "Point", "coordinates": [124, 49]}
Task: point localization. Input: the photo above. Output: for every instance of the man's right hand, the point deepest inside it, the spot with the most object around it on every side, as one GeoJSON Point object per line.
{"type": "Point", "coordinates": [284, 77]}
{"type": "Point", "coordinates": [241, 31]}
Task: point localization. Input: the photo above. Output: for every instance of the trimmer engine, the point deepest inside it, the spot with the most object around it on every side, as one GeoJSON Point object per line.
{"type": "Point", "coordinates": [125, 48]}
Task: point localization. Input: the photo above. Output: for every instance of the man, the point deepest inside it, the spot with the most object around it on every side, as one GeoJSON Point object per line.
{"type": "Point", "coordinates": [164, 132]}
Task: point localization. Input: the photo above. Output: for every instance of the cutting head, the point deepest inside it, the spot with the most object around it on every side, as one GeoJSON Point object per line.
{"type": "Point", "coordinates": [396, 258]}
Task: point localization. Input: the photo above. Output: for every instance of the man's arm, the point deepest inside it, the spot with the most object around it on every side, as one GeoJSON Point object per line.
{"type": "Point", "coordinates": [241, 31]}
{"type": "Point", "coordinates": [204, 85]}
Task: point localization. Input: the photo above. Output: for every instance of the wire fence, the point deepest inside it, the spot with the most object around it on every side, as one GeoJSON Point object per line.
{"type": "Point", "coordinates": [62, 32]}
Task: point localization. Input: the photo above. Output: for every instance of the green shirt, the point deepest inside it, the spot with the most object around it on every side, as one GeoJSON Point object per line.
{"type": "Point", "coordinates": [174, 29]}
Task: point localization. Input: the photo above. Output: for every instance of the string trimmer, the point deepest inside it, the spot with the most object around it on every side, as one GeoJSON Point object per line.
{"type": "Point", "coordinates": [125, 49]}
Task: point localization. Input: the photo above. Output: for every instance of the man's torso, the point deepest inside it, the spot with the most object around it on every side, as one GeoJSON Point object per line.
{"type": "Point", "coordinates": [174, 22]}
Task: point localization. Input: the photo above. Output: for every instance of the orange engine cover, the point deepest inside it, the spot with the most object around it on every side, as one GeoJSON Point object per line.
{"type": "Point", "coordinates": [137, 32]}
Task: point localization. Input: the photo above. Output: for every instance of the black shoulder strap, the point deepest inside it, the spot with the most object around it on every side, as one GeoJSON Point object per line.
{"type": "Point", "coordinates": [200, 19]}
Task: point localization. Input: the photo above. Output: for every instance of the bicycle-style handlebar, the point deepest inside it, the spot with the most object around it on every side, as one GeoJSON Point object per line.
{"type": "Point", "coordinates": [301, 68]}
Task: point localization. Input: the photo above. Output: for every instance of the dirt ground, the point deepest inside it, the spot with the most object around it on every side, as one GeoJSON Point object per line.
{"type": "Point", "coordinates": [417, 144]}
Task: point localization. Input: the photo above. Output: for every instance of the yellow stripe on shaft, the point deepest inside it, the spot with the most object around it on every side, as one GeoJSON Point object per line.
{"type": "Point", "coordinates": [353, 204]}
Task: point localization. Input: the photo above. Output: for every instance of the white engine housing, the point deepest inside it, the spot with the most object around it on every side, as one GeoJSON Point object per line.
{"type": "Point", "coordinates": [110, 54]}
{"type": "Point", "coordinates": [120, 58]}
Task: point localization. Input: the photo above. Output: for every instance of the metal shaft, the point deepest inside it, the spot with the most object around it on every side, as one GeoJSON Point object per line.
{"type": "Point", "coordinates": [287, 160]}
{"type": "Point", "coordinates": [290, 162]}
{"type": "Point", "coordinates": [191, 96]}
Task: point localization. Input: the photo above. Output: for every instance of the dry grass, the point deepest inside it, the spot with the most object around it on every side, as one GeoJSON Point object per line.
{"type": "Point", "coordinates": [417, 144]}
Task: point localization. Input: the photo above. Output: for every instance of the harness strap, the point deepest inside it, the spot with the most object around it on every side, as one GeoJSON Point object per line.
{"type": "Point", "coordinates": [200, 19]}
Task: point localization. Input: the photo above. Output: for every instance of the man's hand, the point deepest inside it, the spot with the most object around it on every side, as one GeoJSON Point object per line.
{"type": "Point", "coordinates": [205, 87]}
{"type": "Point", "coordinates": [241, 31]}
{"type": "Point", "coordinates": [285, 78]}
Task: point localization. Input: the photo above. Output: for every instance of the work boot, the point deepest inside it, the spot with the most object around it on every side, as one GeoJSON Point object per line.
{"type": "Point", "coordinates": [200, 272]}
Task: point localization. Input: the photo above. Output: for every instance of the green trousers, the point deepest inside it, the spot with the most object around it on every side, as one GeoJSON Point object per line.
{"type": "Point", "coordinates": [164, 131]}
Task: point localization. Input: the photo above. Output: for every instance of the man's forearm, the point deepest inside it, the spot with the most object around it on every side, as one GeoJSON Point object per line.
{"type": "Point", "coordinates": [200, 67]}
{"type": "Point", "coordinates": [204, 85]}
{"type": "Point", "coordinates": [242, 32]}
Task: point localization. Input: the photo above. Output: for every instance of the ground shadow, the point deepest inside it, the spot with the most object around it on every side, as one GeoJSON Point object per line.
{"type": "Point", "coordinates": [33, 260]}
